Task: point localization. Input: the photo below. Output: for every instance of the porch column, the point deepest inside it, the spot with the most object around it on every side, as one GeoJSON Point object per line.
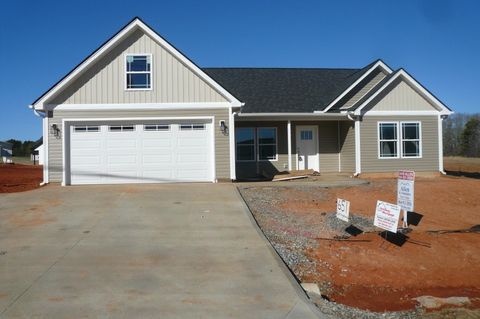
{"type": "Point", "coordinates": [358, 165]}
{"type": "Point", "coordinates": [289, 139]}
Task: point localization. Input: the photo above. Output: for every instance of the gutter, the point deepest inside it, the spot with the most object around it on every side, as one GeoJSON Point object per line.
{"type": "Point", "coordinates": [290, 114]}
{"type": "Point", "coordinates": [43, 116]}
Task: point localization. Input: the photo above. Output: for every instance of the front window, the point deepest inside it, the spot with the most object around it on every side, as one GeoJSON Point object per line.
{"type": "Point", "coordinates": [267, 143]}
{"type": "Point", "coordinates": [411, 139]}
{"type": "Point", "coordinates": [245, 144]}
{"type": "Point", "coordinates": [388, 140]}
{"type": "Point", "coordinates": [138, 72]}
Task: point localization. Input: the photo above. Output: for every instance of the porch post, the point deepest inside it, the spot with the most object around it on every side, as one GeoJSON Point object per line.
{"type": "Point", "coordinates": [289, 138]}
{"type": "Point", "coordinates": [358, 165]}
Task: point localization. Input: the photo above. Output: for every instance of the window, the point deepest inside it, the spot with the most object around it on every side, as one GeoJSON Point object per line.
{"type": "Point", "coordinates": [161, 127]}
{"type": "Point", "coordinates": [388, 138]}
{"type": "Point", "coordinates": [194, 127]}
{"type": "Point", "coordinates": [138, 72]}
{"type": "Point", "coordinates": [399, 138]}
{"type": "Point", "coordinates": [306, 135]}
{"type": "Point", "coordinates": [86, 128]}
{"type": "Point", "coordinates": [245, 144]}
{"type": "Point", "coordinates": [411, 139]}
{"type": "Point", "coordinates": [122, 128]}
{"type": "Point", "coordinates": [267, 143]}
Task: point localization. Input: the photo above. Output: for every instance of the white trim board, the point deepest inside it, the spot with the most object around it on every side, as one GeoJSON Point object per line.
{"type": "Point", "coordinates": [442, 108]}
{"type": "Point", "coordinates": [401, 113]}
{"type": "Point", "coordinates": [127, 30]}
{"type": "Point", "coordinates": [140, 106]}
{"type": "Point", "coordinates": [360, 79]}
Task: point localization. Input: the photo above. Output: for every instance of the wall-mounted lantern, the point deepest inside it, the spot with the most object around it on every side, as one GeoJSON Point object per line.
{"type": "Point", "coordinates": [55, 130]}
{"type": "Point", "coordinates": [223, 127]}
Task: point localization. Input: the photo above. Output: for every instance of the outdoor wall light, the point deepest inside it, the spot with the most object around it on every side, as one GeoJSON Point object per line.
{"type": "Point", "coordinates": [55, 130]}
{"type": "Point", "coordinates": [223, 127]}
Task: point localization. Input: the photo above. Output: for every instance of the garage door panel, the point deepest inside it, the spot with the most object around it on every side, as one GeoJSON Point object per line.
{"type": "Point", "coordinates": [141, 156]}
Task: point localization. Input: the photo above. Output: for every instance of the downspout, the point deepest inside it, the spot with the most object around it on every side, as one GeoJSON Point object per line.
{"type": "Point", "coordinates": [43, 116]}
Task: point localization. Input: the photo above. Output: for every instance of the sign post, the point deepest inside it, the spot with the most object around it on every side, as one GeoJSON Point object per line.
{"type": "Point", "coordinates": [405, 193]}
{"type": "Point", "coordinates": [343, 209]}
{"type": "Point", "coordinates": [386, 216]}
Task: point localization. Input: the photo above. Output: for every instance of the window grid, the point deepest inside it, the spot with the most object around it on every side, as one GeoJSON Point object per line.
{"type": "Point", "coordinates": [192, 127]}
{"type": "Point", "coordinates": [250, 146]}
{"type": "Point", "coordinates": [154, 127]}
{"type": "Point", "coordinates": [86, 128]}
{"type": "Point", "coordinates": [401, 140]}
{"type": "Point", "coordinates": [412, 141]}
{"type": "Point", "coordinates": [121, 128]}
{"type": "Point", "coordinates": [130, 74]}
{"type": "Point", "coordinates": [260, 145]}
{"type": "Point", "coordinates": [257, 146]}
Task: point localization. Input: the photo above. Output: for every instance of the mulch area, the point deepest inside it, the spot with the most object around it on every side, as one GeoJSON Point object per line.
{"type": "Point", "coordinates": [19, 178]}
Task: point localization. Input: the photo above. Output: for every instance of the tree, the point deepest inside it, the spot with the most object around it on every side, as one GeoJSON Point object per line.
{"type": "Point", "coordinates": [21, 149]}
{"type": "Point", "coordinates": [470, 138]}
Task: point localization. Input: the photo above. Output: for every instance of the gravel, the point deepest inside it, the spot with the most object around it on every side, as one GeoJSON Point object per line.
{"type": "Point", "coordinates": [290, 239]}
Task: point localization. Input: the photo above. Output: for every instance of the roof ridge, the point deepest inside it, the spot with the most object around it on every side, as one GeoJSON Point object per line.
{"type": "Point", "coordinates": [279, 68]}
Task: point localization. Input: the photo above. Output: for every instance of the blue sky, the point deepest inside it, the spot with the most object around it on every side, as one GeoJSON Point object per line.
{"type": "Point", "coordinates": [437, 41]}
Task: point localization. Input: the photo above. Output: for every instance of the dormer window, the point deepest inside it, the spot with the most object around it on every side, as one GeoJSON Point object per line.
{"type": "Point", "coordinates": [138, 72]}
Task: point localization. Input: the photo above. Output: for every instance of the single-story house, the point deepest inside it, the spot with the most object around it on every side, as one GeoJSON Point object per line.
{"type": "Point", "coordinates": [6, 152]}
{"type": "Point", "coordinates": [37, 155]}
{"type": "Point", "coordinates": [138, 110]}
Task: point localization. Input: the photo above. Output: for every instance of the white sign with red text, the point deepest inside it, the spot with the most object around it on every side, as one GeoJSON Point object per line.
{"type": "Point", "coordinates": [343, 209]}
{"type": "Point", "coordinates": [386, 216]}
{"type": "Point", "coordinates": [405, 190]}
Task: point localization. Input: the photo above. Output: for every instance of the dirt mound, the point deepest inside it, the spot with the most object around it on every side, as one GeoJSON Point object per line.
{"type": "Point", "coordinates": [18, 178]}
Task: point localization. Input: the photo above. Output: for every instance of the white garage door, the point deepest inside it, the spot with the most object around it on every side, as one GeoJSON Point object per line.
{"type": "Point", "coordinates": [152, 152]}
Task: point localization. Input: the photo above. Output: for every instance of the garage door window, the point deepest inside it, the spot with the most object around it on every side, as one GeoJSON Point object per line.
{"type": "Point", "coordinates": [85, 128]}
{"type": "Point", "coordinates": [122, 128]}
{"type": "Point", "coordinates": [192, 127]}
{"type": "Point", "coordinates": [156, 127]}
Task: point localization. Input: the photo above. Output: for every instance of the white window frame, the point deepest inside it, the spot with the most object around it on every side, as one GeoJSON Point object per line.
{"type": "Point", "coordinates": [419, 138]}
{"type": "Point", "coordinates": [138, 72]}
{"type": "Point", "coordinates": [191, 127]}
{"type": "Point", "coordinates": [400, 140]}
{"type": "Point", "coordinates": [158, 127]}
{"type": "Point", "coordinates": [122, 128]}
{"type": "Point", "coordinates": [88, 128]}
{"type": "Point", "coordinates": [254, 130]}
{"type": "Point", "coordinates": [258, 144]}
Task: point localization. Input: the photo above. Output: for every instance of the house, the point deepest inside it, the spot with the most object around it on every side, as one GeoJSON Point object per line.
{"type": "Point", "coordinates": [138, 110]}
{"type": "Point", "coordinates": [6, 152]}
{"type": "Point", "coordinates": [37, 155]}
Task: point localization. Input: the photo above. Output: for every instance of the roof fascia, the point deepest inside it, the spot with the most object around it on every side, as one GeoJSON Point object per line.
{"type": "Point", "coordinates": [39, 105]}
{"type": "Point", "coordinates": [443, 109]}
{"type": "Point", "coordinates": [379, 63]}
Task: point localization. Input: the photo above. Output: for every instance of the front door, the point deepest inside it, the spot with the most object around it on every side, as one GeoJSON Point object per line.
{"type": "Point", "coordinates": [307, 147]}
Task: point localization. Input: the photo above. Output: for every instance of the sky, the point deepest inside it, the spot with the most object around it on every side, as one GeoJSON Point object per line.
{"type": "Point", "coordinates": [437, 41]}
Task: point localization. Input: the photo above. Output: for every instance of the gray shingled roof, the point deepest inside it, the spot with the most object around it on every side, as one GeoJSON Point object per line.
{"type": "Point", "coordinates": [277, 90]}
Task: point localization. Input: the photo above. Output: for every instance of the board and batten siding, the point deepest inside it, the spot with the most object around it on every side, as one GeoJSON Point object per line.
{"type": "Point", "coordinates": [222, 150]}
{"type": "Point", "coordinates": [369, 145]}
{"type": "Point", "coordinates": [104, 81]}
{"type": "Point", "coordinates": [400, 96]}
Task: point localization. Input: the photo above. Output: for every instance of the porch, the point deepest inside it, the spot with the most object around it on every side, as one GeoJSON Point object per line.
{"type": "Point", "coordinates": [265, 147]}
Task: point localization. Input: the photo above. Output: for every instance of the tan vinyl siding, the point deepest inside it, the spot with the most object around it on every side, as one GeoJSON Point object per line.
{"type": "Point", "coordinates": [104, 81]}
{"type": "Point", "coordinates": [347, 147]}
{"type": "Point", "coordinates": [400, 96]}
{"type": "Point", "coordinates": [369, 145]}
{"type": "Point", "coordinates": [222, 150]}
{"type": "Point", "coordinates": [328, 146]}
{"type": "Point", "coordinates": [362, 88]}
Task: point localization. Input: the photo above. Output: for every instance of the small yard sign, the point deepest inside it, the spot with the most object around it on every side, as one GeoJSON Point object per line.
{"type": "Point", "coordinates": [343, 209]}
{"type": "Point", "coordinates": [386, 216]}
{"type": "Point", "coordinates": [405, 190]}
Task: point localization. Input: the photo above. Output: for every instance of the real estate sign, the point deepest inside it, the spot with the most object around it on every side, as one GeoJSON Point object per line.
{"type": "Point", "coordinates": [386, 216]}
{"type": "Point", "coordinates": [343, 209]}
{"type": "Point", "coordinates": [405, 190]}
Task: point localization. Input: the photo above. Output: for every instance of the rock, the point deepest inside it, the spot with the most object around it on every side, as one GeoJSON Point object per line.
{"type": "Point", "coordinates": [311, 288]}
{"type": "Point", "coordinates": [430, 302]}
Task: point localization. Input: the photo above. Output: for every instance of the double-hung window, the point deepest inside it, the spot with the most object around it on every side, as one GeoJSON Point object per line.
{"type": "Point", "coordinates": [138, 68]}
{"type": "Point", "coordinates": [411, 142]}
{"type": "Point", "coordinates": [254, 144]}
{"type": "Point", "coordinates": [267, 143]}
{"type": "Point", "coordinates": [399, 139]}
{"type": "Point", "coordinates": [245, 144]}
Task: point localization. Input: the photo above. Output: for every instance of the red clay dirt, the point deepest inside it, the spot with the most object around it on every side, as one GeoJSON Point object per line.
{"type": "Point", "coordinates": [369, 273]}
{"type": "Point", "coordinates": [19, 178]}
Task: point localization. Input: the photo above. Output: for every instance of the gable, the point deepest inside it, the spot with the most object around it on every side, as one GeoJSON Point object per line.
{"type": "Point", "coordinates": [400, 96]}
{"type": "Point", "coordinates": [104, 81]}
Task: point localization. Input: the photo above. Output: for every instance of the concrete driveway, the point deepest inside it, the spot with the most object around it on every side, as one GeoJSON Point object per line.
{"type": "Point", "coordinates": [142, 251]}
